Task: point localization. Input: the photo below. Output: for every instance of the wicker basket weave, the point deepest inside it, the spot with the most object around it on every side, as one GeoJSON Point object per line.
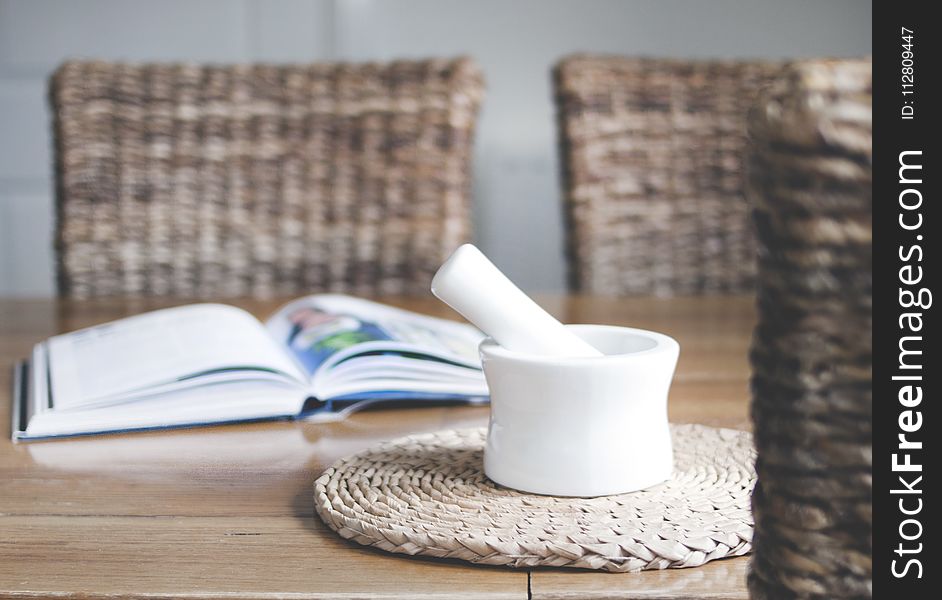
{"type": "Point", "coordinates": [810, 185]}
{"type": "Point", "coordinates": [257, 180]}
{"type": "Point", "coordinates": [427, 495]}
{"type": "Point", "coordinates": [652, 152]}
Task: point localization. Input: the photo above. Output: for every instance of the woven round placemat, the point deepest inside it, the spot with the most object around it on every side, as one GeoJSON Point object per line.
{"type": "Point", "coordinates": [428, 495]}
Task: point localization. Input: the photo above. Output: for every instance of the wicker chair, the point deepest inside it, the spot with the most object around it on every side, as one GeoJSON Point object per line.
{"type": "Point", "coordinates": [652, 153]}
{"type": "Point", "coordinates": [260, 180]}
{"type": "Point", "coordinates": [810, 178]}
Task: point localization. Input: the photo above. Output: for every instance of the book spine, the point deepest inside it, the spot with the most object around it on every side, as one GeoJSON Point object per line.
{"type": "Point", "coordinates": [19, 396]}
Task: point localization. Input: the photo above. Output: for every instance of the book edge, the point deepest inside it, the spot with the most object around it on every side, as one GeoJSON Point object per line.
{"type": "Point", "coordinates": [19, 397]}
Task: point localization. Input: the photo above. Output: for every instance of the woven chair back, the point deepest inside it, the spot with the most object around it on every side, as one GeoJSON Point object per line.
{"type": "Point", "coordinates": [652, 173]}
{"type": "Point", "coordinates": [811, 172]}
{"type": "Point", "coordinates": [260, 180]}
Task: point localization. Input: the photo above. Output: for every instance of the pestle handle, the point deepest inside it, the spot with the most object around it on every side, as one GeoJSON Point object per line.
{"type": "Point", "coordinates": [471, 284]}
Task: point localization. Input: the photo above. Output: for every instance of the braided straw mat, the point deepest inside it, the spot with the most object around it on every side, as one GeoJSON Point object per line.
{"type": "Point", "coordinates": [428, 495]}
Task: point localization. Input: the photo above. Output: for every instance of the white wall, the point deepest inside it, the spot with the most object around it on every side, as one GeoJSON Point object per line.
{"type": "Point", "coordinates": [517, 207]}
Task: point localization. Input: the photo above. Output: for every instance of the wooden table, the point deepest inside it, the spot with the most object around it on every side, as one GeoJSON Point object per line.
{"type": "Point", "coordinates": [227, 511]}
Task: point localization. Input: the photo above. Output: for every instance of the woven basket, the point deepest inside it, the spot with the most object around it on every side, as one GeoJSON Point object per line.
{"type": "Point", "coordinates": [261, 180]}
{"type": "Point", "coordinates": [810, 177]}
{"type": "Point", "coordinates": [652, 152]}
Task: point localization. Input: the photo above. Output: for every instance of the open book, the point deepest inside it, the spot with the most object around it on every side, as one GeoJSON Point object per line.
{"type": "Point", "coordinates": [319, 357]}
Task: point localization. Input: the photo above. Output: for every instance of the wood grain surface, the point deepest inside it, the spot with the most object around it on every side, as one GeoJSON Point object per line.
{"type": "Point", "coordinates": [227, 511]}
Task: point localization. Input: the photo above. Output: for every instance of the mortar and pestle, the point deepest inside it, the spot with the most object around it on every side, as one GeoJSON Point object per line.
{"type": "Point", "coordinates": [576, 410]}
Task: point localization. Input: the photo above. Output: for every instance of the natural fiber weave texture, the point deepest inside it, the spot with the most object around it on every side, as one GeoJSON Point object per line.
{"type": "Point", "coordinates": [810, 184]}
{"type": "Point", "coordinates": [428, 495]}
{"type": "Point", "coordinates": [261, 180]}
{"type": "Point", "coordinates": [652, 170]}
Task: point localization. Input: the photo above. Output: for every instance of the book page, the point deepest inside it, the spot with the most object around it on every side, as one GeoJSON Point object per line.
{"type": "Point", "coordinates": [102, 362]}
{"type": "Point", "coordinates": [321, 328]}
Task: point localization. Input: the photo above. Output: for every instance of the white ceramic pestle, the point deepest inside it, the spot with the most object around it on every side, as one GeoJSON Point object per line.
{"type": "Point", "coordinates": [471, 284]}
